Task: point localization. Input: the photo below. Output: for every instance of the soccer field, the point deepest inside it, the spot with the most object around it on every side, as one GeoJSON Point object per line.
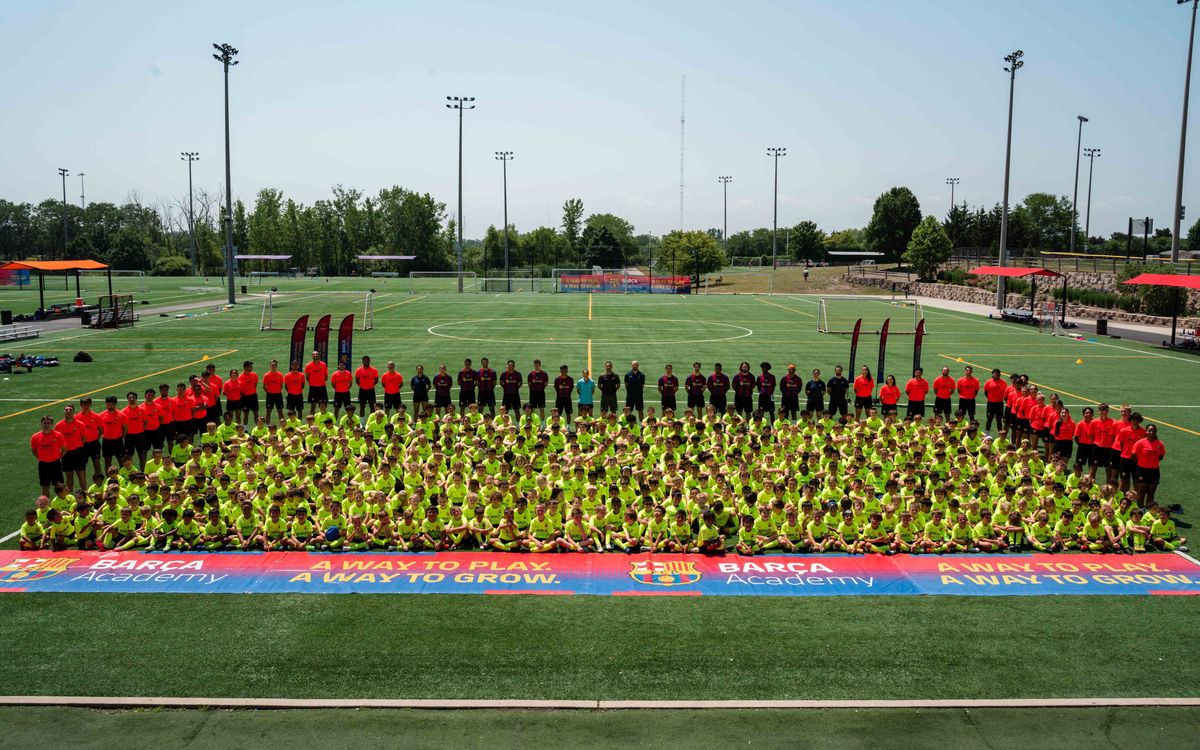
{"type": "Point", "coordinates": [603, 647]}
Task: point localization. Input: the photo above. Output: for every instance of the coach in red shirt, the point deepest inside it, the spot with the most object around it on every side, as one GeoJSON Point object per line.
{"type": "Point", "coordinates": [340, 380]}
{"type": "Point", "coordinates": [272, 381]}
{"type": "Point", "coordinates": [392, 383]}
{"type": "Point", "coordinates": [968, 389]}
{"type": "Point", "coordinates": [91, 432]}
{"type": "Point", "coordinates": [1148, 452]}
{"type": "Point", "coordinates": [48, 447]}
{"type": "Point", "coordinates": [74, 461]}
{"type": "Point", "coordinates": [366, 377]}
{"type": "Point", "coordinates": [249, 382]}
{"type": "Point", "coordinates": [316, 373]}
{"type": "Point", "coordinates": [994, 390]}
{"type": "Point", "coordinates": [943, 389]}
{"type": "Point", "coordinates": [917, 388]}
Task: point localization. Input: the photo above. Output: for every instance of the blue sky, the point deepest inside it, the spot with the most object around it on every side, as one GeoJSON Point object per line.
{"type": "Point", "coordinates": [865, 95]}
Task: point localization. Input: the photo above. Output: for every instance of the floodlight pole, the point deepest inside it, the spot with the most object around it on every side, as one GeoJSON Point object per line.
{"type": "Point", "coordinates": [504, 157]}
{"type": "Point", "coordinates": [63, 174]}
{"type": "Point", "coordinates": [1187, 86]}
{"type": "Point", "coordinates": [82, 193]}
{"type": "Point", "coordinates": [952, 181]}
{"type": "Point", "coordinates": [460, 103]}
{"type": "Point", "coordinates": [1091, 154]}
{"type": "Point", "coordinates": [225, 57]}
{"type": "Point", "coordinates": [725, 180]}
{"type": "Point", "coordinates": [189, 157]}
{"type": "Point", "coordinates": [776, 152]}
{"type": "Point", "coordinates": [1075, 198]}
{"type": "Point", "coordinates": [1014, 63]}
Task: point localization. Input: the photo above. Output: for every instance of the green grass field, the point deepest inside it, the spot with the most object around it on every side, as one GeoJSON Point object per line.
{"type": "Point", "coordinates": [562, 647]}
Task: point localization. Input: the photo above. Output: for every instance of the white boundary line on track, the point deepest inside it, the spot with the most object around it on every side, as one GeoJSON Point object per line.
{"type": "Point", "coordinates": [284, 703]}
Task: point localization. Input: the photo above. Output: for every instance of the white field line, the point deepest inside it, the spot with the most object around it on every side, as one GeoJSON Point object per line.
{"type": "Point", "coordinates": [451, 704]}
{"type": "Point", "coordinates": [10, 536]}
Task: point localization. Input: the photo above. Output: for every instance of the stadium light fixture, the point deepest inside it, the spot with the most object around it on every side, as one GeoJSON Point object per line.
{"type": "Point", "coordinates": [1187, 86]}
{"type": "Point", "coordinates": [1075, 196]}
{"type": "Point", "coordinates": [1091, 154]}
{"type": "Point", "coordinates": [504, 157]}
{"type": "Point", "coordinates": [225, 55]}
{"type": "Point", "coordinates": [725, 180]}
{"type": "Point", "coordinates": [1014, 64]}
{"type": "Point", "coordinates": [63, 172]}
{"type": "Point", "coordinates": [952, 181]}
{"type": "Point", "coordinates": [461, 103]}
{"type": "Point", "coordinates": [189, 157]}
{"type": "Point", "coordinates": [776, 152]}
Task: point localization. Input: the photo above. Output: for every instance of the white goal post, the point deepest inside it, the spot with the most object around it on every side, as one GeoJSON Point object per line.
{"type": "Point", "coordinates": [838, 314]}
{"type": "Point", "coordinates": [441, 281]}
{"type": "Point", "coordinates": [299, 303]}
{"type": "Point", "coordinates": [125, 281]}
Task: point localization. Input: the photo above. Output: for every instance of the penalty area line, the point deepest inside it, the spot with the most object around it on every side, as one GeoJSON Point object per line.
{"type": "Point", "coordinates": [590, 704]}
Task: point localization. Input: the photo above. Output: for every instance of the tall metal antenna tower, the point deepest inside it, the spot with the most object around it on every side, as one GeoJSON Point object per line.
{"type": "Point", "coordinates": [682, 104]}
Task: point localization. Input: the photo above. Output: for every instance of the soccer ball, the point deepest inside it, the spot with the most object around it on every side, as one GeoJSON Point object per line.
{"type": "Point", "coordinates": [332, 533]}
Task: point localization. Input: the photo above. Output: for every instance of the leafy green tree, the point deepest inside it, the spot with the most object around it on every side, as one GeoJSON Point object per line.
{"type": "Point", "coordinates": [690, 252]}
{"type": "Point", "coordinates": [897, 213]}
{"type": "Point", "coordinates": [754, 243]}
{"type": "Point", "coordinates": [572, 226]}
{"type": "Point", "coordinates": [544, 248]}
{"type": "Point", "coordinates": [958, 224]}
{"type": "Point", "coordinates": [929, 247]}
{"type": "Point", "coordinates": [493, 250]}
{"type": "Point", "coordinates": [172, 265]}
{"type": "Point", "coordinates": [846, 240]}
{"type": "Point", "coordinates": [600, 247]}
{"type": "Point", "coordinates": [1045, 220]}
{"type": "Point", "coordinates": [620, 229]}
{"type": "Point", "coordinates": [807, 242]}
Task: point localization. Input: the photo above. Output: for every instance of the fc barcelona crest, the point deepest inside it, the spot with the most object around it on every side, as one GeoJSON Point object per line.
{"type": "Point", "coordinates": [658, 573]}
{"type": "Point", "coordinates": [28, 569]}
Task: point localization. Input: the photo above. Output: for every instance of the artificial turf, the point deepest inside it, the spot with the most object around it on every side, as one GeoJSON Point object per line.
{"type": "Point", "coordinates": [876, 729]}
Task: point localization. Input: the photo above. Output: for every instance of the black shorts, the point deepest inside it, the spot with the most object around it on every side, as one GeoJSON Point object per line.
{"type": "Point", "coordinates": [391, 401]}
{"type": "Point", "coordinates": [887, 409]}
{"type": "Point", "coordinates": [113, 447]}
{"type": "Point", "coordinates": [1128, 465]}
{"type": "Point", "coordinates": [49, 473]}
{"type": "Point", "coordinates": [634, 402]}
{"type": "Point", "coordinates": [75, 459]}
{"type": "Point", "coordinates": [92, 449]}
{"type": "Point", "coordinates": [318, 394]}
{"type": "Point", "coordinates": [766, 403]}
{"type": "Point", "coordinates": [941, 406]}
{"type": "Point", "coordinates": [995, 410]}
{"type": "Point", "coordinates": [275, 401]}
{"type": "Point", "coordinates": [862, 401]}
{"type": "Point", "coordinates": [814, 405]}
{"type": "Point", "coordinates": [668, 402]}
{"type": "Point", "coordinates": [1063, 448]}
{"type": "Point", "coordinates": [967, 406]}
{"type": "Point", "coordinates": [512, 402]}
{"type": "Point", "coordinates": [696, 400]}
{"type": "Point", "coordinates": [366, 397]}
{"type": "Point", "coordinates": [135, 443]}
{"type": "Point", "coordinates": [1145, 476]}
{"type": "Point", "coordinates": [717, 401]}
{"type": "Point", "coordinates": [563, 404]}
{"type": "Point", "coordinates": [742, 403]}
{"type": "Point", "coordinates": [1023, 424]}
{"type": "Point", "coordinates": [608, 402]}
{"type": "Point", "coordinates": [441, 400]}
{"type": "Point", "coordinates": [537, 399]}
{"type": "Point", "coordinates": [249, 403]}
{"type": "Point", "coordinates": [294, 402]}
{"type": "Point", "coordinates": [789, 404]}
{"type": "Point", "coordinates": [466, 398]}
{"type": "Point", "coordinates": [341, 398]}
{"type": "Point", "coordinates": [838, 406]}
{"type": "Point", "coordinates": [487, 398]}
{"type": "Point", "coordinates": [154, 438]}
{"type": "Point", "coordinates": [230, 405]}
{"type": "Point", "coordinates": [915, 409]}
{"type": "Point", "coordinates": [1083, 453]}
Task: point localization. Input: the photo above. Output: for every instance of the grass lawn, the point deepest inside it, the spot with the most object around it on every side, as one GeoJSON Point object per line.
{"type": "Point", "coordinates": [496, 730]}
{"type": "Point", "coordinates": [562, 647]}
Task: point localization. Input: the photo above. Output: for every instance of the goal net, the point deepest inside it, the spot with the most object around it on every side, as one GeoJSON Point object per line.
{"type": "Point", "coordinates": [441, 281]}
{"type": "Point", "coordinates": [280, 310]}
{"type": "Point", "coordinates": [746, 260]}
{"type": "Point", "coordinates": [838, 314]}
{"type": "Point", "coordinates": [1050, 321]}
{"type": "Point", "coordinates": [123, 282]}
{"type": "Point", "coordinates": [517, 285]}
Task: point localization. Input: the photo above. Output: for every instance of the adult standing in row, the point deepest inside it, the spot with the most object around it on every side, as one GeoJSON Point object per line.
{"type": "Point", "coordinates": [608, 383]}
{"type": "Point", "coordinates": [487, 386]}
{"type": "Point", "coordinates": [695, 385]}
{"type": "Point", "coordinates": [838, 388]}
{"type": "Point", "coordinates": [815, 390]}
{"type": "Point", "coordinates": [316, 373]}
{"type": "Point", "coordinates": [917, 388]}
{"type": "Point", "coordinates": [668, 384]}
{"type": "Point", "coordinates": [718, 387]}
{"type": "Point", "coordinates": [467, 378]}
{"type": "Point", "coordinates": [635, 389]}
{"type": "Point", "coordinates": [48, 447]}
{"type": "Point", "coordinates": [365, 377]}
{"type": "Point", "coordinates": [943, 391]}
{"type": "Point", "coordinates": [790, 386]}
{"type": "Point", "coordinates": [272, 381]}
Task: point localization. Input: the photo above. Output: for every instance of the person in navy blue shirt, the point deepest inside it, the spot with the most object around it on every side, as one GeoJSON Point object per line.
{"type": "Point", "coordinates": [635, 384]}
{"type": "Point", "coordinates": [814, 390]}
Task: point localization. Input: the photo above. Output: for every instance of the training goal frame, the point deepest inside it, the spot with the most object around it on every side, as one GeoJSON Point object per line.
{"type": "Point", "coordinates": [266, 321]}
{"type": "Point", "coordinates": [87, 274]}
{"type": "Point", "coordinates": [469, 278]}
{"type": "Point", "coordinates": [898, 316]}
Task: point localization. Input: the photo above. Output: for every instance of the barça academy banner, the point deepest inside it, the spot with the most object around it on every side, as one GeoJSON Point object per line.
{"type": "Point", "coordinates": [610, 575]}
{"type": "Point", "coordinates": [621, 283]}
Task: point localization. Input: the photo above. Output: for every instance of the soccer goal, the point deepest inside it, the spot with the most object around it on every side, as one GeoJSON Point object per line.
{"type": "Point", "coordinates": [838, 314]}
{"type": "Point", "coordinates": [114, 312]}
{"type": "Point", "coordinates": [1050, 321]}
{"type": "Point", "coordinates": [299, 303]}
{"type": "Point", "coordinates": [517, 285]}
{"type": "Point", "coordinates": [123, 281]}
{"type": "Point", "coordinates": [753, 261]}
{"type": "Point", "coordinates": [423, 282]}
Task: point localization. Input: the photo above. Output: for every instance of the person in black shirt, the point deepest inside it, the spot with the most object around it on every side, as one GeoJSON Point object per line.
{"type": "Point", "coordinates": [667, 385]}
{"type": "Point", "coordinates": [790, 386]}
{"type": "Point", "coordinates": [695, 385]}
{"type": "Point", "coordinates": [608, 383]}
{"type": "Point", "coordinates": [635, 383]}
{"type": "Point", "coordinates": [420, 385]}
{"type": "Point", "coordinates": [838, 387]}
{"type": "Point", "coordinates": [743, 390]}
{"type": "Point", "coordinates": [815, 392]}
{"type": "Point", "coordinates": [718, 386]}
{"type": "Point", "coordinates": [766, 390]}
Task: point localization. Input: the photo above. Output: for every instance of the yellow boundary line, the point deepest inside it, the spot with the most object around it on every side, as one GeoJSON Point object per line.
{"type": "Point", "coordinates": [404, 302]}
{"type": "Point", "coordinates": [117, 385]}
{"type": "Point", "coordinates": [589, 305]}
{"type": "Point", "coordinates": [784, 307]}
{"type": "Point", "coordinates": [1072, 395]}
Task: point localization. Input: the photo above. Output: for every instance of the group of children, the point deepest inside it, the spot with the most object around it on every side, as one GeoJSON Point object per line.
{"type": "Point", "coordinates": [696, 482]}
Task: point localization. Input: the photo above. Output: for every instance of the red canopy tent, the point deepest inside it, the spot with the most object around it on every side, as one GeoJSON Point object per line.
{"type": "Point", "coordinates": [53, 266]}
{"type": "Point", "coordinates": [1013, 272]}
{"type": "Point", "coordinates": [1178, 281]}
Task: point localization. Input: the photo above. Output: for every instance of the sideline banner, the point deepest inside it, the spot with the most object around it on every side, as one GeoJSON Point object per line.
{"type": "Point", "coordinates": [607, 574]}
{"type": "Point", "coordinates": [619, 283]}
